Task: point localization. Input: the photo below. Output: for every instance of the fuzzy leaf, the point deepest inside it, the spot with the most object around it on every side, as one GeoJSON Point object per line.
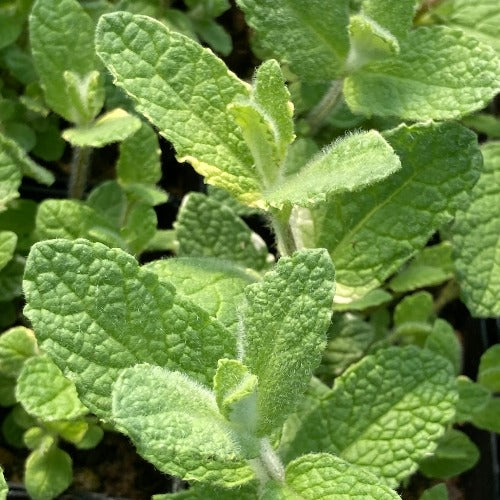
{"type": "Point", "coordinates": [395, 17]}
{"type": "Point", "coordinates": [310, 36]}
{"type": "Point", "coordinates": [207, 228]}
{"type": "Point", "coordinates": [489, 369]}
{"type": "Point", "coordinates": [16, 346]}
{"type": "Point", "coordinates": [96, 312]}
{"type": "Point", "coordinates": [385, 413]}
{"type": "Point", "coordinates": [45, 393]}
{"type": "Point", "coordinates": [68, 77]}
{"type": "Point", "coordinates": [472, 398]}
{"type": "Point", "coordinates": [478, 265]}
{"type": "Point", "coordinates": [439, 74]}
{"type": "Point", "coordinates": [195, 441]}
{"type": "Point", "coordinates": [183, 90]}
{"type": "Point", "coordinates": [114, 126]}
{"type": "Point", "coordinates": [283, 327]}
{"type": "Point", "coordinates": [8, 241]}
{"type": "Point", "coordinates": [348, 165]}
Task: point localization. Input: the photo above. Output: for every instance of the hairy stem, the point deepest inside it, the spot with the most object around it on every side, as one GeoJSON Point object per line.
{"type": "Point", "coordinates": [284, 236]}
{"type": "Point", "coordinates": [79, 172]}
{"type": "Point", "coordinates": [320, 112]}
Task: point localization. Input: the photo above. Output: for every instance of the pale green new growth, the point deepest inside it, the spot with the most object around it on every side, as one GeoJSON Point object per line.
{"type": "Point", "coordinates": [310, 36]}
{"type": "Point", "coordinates": [113, 126]}
{"type": "Point", "coordinates": [62, 44]}
{"type": "Point", "coordinates": [207, 228]}
{"type": "Point", "coordinates": [176, 425]}
{"type": "Point", "coordinates": [472, 398]}
{"type": "Point", "coordinates": [349, 164]}
{"type": "Point", "coordinates": [4, 489]}
{"type": "Point", "coordinates": [96, 312]}
{"type": "Point", "coordinates": [395, 17]}
{"type": "Point", "coordinates": [283, 331]}
{"type": "Point", "coordinates": [45, 393]}
{"type": "Point", "coordinates": [8, 242]}
{"type": "Point", "coordinates": [385, 413]}
{"type": "Point", "coordinates": [373, 298]}
{"type": "Point", "coordinates": [476, 240]}
{"type": "Point", "coordinates": [489, 369]}
{"type": "Point", "coordinates": [184, 90]}
{"type": "Point", "coordinates": [439, 74]}
{"type": "Point", "coordinates": [16, 345]}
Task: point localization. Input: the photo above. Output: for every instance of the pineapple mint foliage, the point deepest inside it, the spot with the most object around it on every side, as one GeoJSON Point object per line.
{"type": "Point", "coordinates": [315, 368]}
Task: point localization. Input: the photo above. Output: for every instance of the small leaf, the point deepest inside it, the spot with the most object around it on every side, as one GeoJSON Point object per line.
{"type": "Point", "coordinates": [194, 442]}
{"type": "Point", "coordinates": [283, 329]}
{"type": "Point", "coordinates": [70, 430]}
{"type": "Point", "coordinates": [438, 492]}
{"type": "Point", "coordinates": [489, 369]}
{"type": "Point", "coordinates": [415, 308]}
{"type": "Point", "coordinates": [34, 437]}
{"type": "Point", "coordinates": [108, 199]}
{"type": "Point", "coordinates": [17, 345]}
{"type": "Point", "coordinates": [472, 398]}
{"type": "Point", "coordinates": [488, 417]}
{"type": "Point", "coordinates": [139, 227]}
{"type": "Point", "coordinates": [455, 454]}
{"type": "Point", "coordinates": [11, 278]}
{"type": "Point", "coordinates": [444, 341]}
{"type": "Point", "coordinates": [8, 241]}
{"type": "Point", "coordinates": [114, 126]}
{"type": "Point", "coordinates": [45, 393]}
{"type": "Point", "coordinates": [373, 298]}
{"type": "Point", "coordinates": [92, 437]}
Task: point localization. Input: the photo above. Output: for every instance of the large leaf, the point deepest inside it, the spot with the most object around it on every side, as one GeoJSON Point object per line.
{"type": "Point", "coordinates": [395, 17]}
{"type": "Point", "coordinates": [95, 312]}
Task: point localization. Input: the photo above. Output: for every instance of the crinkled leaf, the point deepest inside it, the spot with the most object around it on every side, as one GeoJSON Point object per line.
{"type": "Point", "coordinates": [440, 73]}
{"type": "Point", "coordinates": [395, 17]}
{"type": "Point", "coordinates": [371, 232]}
{"type": "Point", "coordinates": [310, 36]}
{"type": "Point", "coordinates": [62, 43]}
{"type": "Point", "coordinates": [183, 90]}
{"type": "Point", "coordinates": [16, 345]}
{"type": "Point", "coordinates": [476, 241]}
{"type": "Point", "coordinates": [283, 331]}
{"type": "Point", "coordinates": [212, 284]}
{"type": "Point", "coordinates": [386, 413]}
{"type": "Point", "coordinates": [45, 393]}
{"type": "Point", "coordinates": [206, 228]}
{"type": "Point", "coordinates": [444, 341]}
{"type": "Point", "coordinates": [489, 369]}
{"type": "Point", "coordinates": [488, 417]}
{"type": "Point", "coordinates": [194, 441]}
{"type": "Point", "coordinates": [11, 279]}
{"type": "Point", "coordinates": [96, 312]}
{"type": "Point", "coordinates": [350, 164]}
{"type": "Point", "coordinates": [472, 398]}
{"type": "Point", "coordinates": [8, 241]}
{"type": "Point", "coordinates": [431, 266]}
{"type": "Point", "coordinates": [455, 454]}
{"type": "Point", "coordinates": [114, 126]}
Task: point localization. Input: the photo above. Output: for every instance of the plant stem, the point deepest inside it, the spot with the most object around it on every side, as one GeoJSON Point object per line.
{"type": "Point", "coordinates": [320, 112]}
{"type": "Point", "coordinates": [271, 461]}
{"type": "Point", "coordinates": [79, 172]}
{"type": "Point", "coordinates": [283, 231]}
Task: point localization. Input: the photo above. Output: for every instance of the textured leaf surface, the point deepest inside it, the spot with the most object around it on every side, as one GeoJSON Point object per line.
{"type": "Point", "coordinates": [206, 228]}
{"type": "Point", "coordinates": [489, 369]}
{"type": "Point", "coordinates": [183, 90]}
{"type": "Point", "coordinates": [310, 36]}
{"type": "Point", "coordinates": [4, 489]}
{"type": "Point", "coordinates": [325, 476]}
{"type": "Point", "coordinates": [96, 312]}
{"type": "Point", "coordinates": [478, 265]}
{"type": "Point", "coordinates": [45, 393]}
{"type": "Point", "coordinates": [212, 284]}
{"type": "Point", "coordinates": [395, 17]}
{"type": "Point", "coordinates": [113, 126]}
{"type": "Point", "coordinates": [385, 413]}
{"type": "Point", "coordinates": [284, 326]}
{"type": "Point", "coordinates": [16, 345]}
{"type": "Point", "coordinates": [57, 27]}
{"type": "Point", "coordinates": [455, 454]}
{"type": "Point", "coordinates": [350, 164]}
{"type": "Point", "coordinates": [8, 241]}
{"type": "Point", "coordinates": [176, 425]}
{"type": "Point", "coordinates": [472, 398]}
{"type": "Point", "coordinates": [371, 232]}
{"type": "Point", "coordinates": [444, 341]}
{"type": "Point", "coordinates": [440, 73]}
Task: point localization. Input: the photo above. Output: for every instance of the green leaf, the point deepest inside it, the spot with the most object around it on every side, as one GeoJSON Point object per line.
{"type": "Point", "coordinates": [17, 345]}
{"type": "Point", "coordinates": [19, 218]}
{"type": "Point", "coordinates": [45, 393]}
{"type": "Point", "coordinates": [4, 489]}
{"type": "Point", "coordinates": [12, 17]}
{"type": "Point", "coordinates": [92, 437]}
{"type": "Point", "coordinates": [206, 228]}
{"type": "Point", "coordinates": [72, 87]}
{"type": "Point", "coordinates": [489, 369]}
{"type": "Point", "coordinates": [212, 284]}
{"type": "Point", "coordinates": [325, 476]}
{"type": "Point", "coordinates": [96, 312]}
{"type": "Point", "coordinates": [109, 200]}
{"type": "Point", "coordinates": [484, 123]}
{"type": "Point", "coordinates": [478, 268]}
{"type": "Point", "coordinates": [183, 90]}
{"type": "Point", "coordinates": [283, 329]}
{"type": "Point", "coordinates": [200, 491]}
{"type": "Point", "coordinates": [7, 391]}
{"type": "Point", "coordinates": [350, 164]}
{"type": "Point", "coordinates": [439, 74]}
{"type": "Point", "coordinates": [395, 17]}
{"type": "Point", "coordinates": [472, 398]}
{"type": "Point", "coordinates": [455, 454]}
{"type": "Point", "coordinates": [385, 413]}
{"type": "Point", "coordinates": [430, 267]}
{"type": "Point", "coordinates": [373, 298]}
{"type": "Point", "coordinates": [311, 37]}
{"type": "Point", "coordinates": [8, 241]}
{"type": "Point", "coordinates": [372, 232]}
{"type": "Point", "coordinates": [488, 417]}
{"type": "Point", "coordinates": [139, 227]}
{"type": "Point", "coordinates": [114, 126]}
{"type": "Point", "coordinates": [438, 492]}
{"type": "Point", "coordinates": [444, 341]}
{"type": "Point", "coordinates": [11, 278]}
{"type": "Point", "coordinates": [48, 472]}
{"type": "Point", "coordinates": [70, 430]}
{"type": "Point", "coordinates": [194, 442]}
{"type": "Point", "coordinates": [34, 437]}
{"type": "Point", "coordinates": [413, 318]}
